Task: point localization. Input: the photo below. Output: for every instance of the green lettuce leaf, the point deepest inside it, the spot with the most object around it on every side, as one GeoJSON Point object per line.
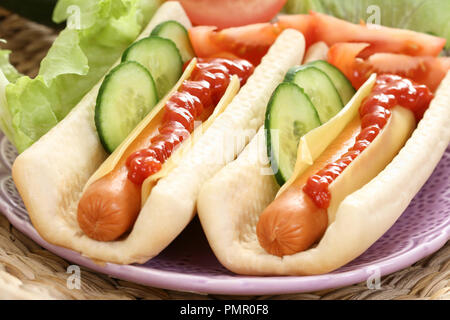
{"type": "Point", "coordinates": [5, 115]}
{"type": "Point", "coordinates": [97, 33]}
{"type": "Point", "coordinates": [8, 70]}
{"type": "Point", "coordinates": [428, 16]}
{"type": "Point", "coordinates": [31, 110]}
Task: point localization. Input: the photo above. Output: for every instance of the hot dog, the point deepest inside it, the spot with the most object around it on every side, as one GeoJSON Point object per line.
{"type": "Point", "coordinates": [299, 217]}
{"type": "Point", "coordinates": [336, 205]}
{"type": "Point", "coordinates": [293, 222]}
{"type": "Point", "coordinates": [74, 171]}
{"type": "Point", "coordinates": [294, 207]}
{"type": "Point", "coordinates": [110, 205]}
{"type": "Point", "coordinates": [127, 206]}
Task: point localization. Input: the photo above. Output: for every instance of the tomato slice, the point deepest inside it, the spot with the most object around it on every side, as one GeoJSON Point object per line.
{"type": "Point", "coordinates": [332, 30]}
{"type": "Point", "coordinates": [231, 13]}
{"type": "Point", "coordinates": [252, 42]}
{"type": "Point", "coordinates": [202, 42]}
{"type": "Point", "coordinates": [344, 57]}
{"type": "Point", "coordinates": [249, 42]}
{"type": "Point", "coordinates": [425, 70]}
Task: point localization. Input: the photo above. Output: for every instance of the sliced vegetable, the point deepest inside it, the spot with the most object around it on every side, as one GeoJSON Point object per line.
{"type": "Point", "coordinates": [340, 81]}
{"type": "Point", "coordinates": [126, 96]}
{"type": "Point", "coordinates": [426, 70]}
{"type": "Point", "coordinates": [431, 16]}
{"type": "Point", "coordinates": [161, 57]}
{"type": "Point", "coordinates": [290, 114]}
{"type": "Point", "coordinates": [381, 39]}
{"type": "Point", "coordinates": [252, 42]}
{"type": "Point", "coordinates": [176, 32]}
{"type": "Point", "coordinates": [249, 42]}
{"type": "Point", "coordinates": [319, 88]}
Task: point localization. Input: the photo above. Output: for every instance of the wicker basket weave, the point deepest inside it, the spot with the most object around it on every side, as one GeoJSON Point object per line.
{"type": "Point", "coordinates": [28, 271]}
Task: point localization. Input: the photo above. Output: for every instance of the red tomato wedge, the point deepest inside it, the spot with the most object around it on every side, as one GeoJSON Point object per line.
{"type": "Point", "coordinates": [231, 13]}
{"type": "Point", "coordinates": [252, 42]}
{"type": "Point", "coordinates": [424, 70]}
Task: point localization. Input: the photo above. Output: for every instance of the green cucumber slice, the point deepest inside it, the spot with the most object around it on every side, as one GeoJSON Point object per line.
{"type": "Point", "coordinates": [126, 96]}
{"type": "Point", "coordinates": [161, 57]}
{"type": "Point", "coordinates": [290, 114]}
{"type": "Point", "coordinates": [320, 89]}
{"type": "Point", "coordinates": [176, 32]}
{"type": "Point", "coordinates": [340, 81]}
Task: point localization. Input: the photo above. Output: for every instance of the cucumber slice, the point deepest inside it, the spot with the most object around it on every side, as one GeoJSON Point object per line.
{"type": "Point", "coordinates": [126, 96]}
{"type": "Point", "coordinates": [290, 114]}
{"type": "Point", "coordinates": [161, 57]}
{"type": "Point", "coordinates": [320, 89]}
{"type": "Point", "coordinates": [340, 81]}
{"type": "Point", "coordinates": [176, 32]}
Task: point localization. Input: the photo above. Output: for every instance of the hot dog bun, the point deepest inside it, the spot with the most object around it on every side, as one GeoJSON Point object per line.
{"type": "Point", "coordinates": [295, 208]}
{"type": "Point", "coordinates": [52, 174]}
{"type": "Point", "coordinates": [229, 218]}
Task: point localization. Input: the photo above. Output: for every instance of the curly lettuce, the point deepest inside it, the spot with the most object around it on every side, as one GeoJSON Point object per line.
{"type": "Point", "coordinates": [97, 33]}
{"type": "Point", "coordinates": [8, 70]}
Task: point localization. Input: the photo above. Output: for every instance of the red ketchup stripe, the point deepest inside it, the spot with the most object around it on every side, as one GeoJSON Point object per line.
{"type": "Point", "coordinates": [195, 101]}
{"type": "Point", "coordinates": [389, 91]}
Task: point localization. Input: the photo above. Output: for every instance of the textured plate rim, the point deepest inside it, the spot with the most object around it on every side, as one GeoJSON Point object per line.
{"type": "Point", "coordinates": [235, 284]}
{"type": "Point", "coordinates": [238, 285]}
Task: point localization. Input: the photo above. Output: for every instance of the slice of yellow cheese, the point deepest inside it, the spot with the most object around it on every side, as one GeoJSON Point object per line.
{"type": "Point", "coordinates": [187, 145]}
{"type": "Point", "coordinates": [374, 159]}
{"type": "Point", "coordinates": [151, 119]}
{"type": "Point", "coordinates": [314, 143]}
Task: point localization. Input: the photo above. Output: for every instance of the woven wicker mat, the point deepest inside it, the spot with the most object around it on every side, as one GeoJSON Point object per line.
{"type": "Point", "coordinates": [28, 271]}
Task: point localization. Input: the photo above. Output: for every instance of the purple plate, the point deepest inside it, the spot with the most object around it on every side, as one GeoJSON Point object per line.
{"type": "Point", "coordinates": [188, 264]}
